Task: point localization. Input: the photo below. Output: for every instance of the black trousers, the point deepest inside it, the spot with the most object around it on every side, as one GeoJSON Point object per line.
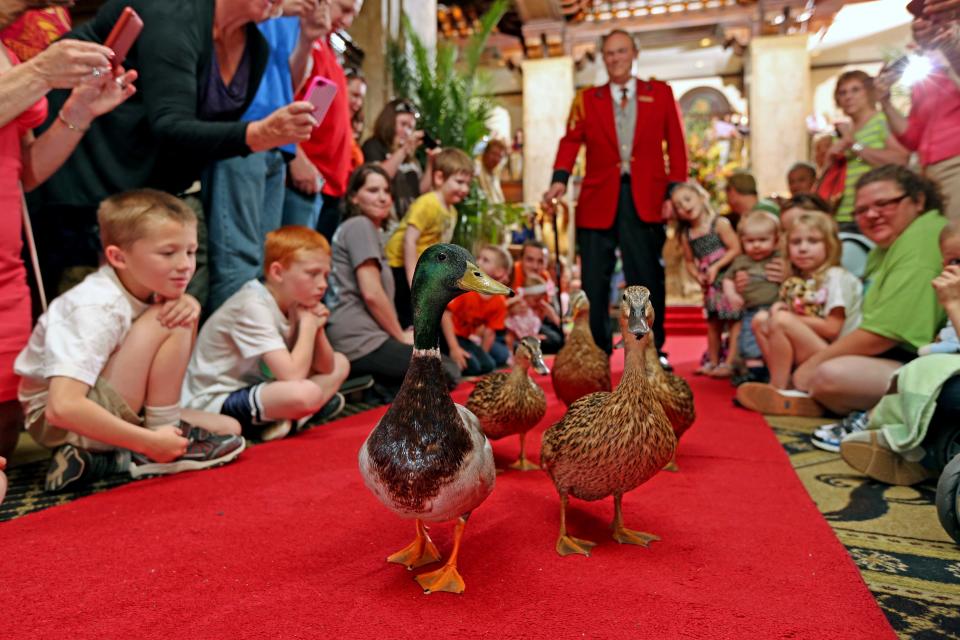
{"type": "Point", "coordinates": [641, 248]}
{"type": "Point", "coordinates": [330, 215]}
{"type": "Point", "coordinates": [389, 362]}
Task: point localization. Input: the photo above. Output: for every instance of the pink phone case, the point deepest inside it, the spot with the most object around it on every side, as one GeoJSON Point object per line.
{"type": "Point", "coordinates": [320, 94]}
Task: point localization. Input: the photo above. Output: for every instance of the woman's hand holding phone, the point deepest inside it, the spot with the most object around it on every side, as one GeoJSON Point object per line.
{"type": "Point", "coordinates": [287, 125]}
{"type": "Point", "coordinates": [66, 64]}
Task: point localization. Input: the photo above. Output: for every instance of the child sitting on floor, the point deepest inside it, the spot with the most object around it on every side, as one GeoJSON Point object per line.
{"type": "Point", "coordinates": [531, 314]}
{"type": "Point", "coordinates": [101, 374]}
{"type": "Point", "coordinates": [430, 219]}
{"type": "Point", "coordinates": [479, 316]}
{"type": "Point", "coordinates": [278, 323]}
{"type": "Point", "coordinates": [947, 341]}
{"type": "Point", "coordinates": [788, 338]}
{"type": "Point", "coordinates": [758, 232]}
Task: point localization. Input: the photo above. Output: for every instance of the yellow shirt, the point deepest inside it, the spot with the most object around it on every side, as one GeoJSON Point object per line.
{"type": "Point", "coordinates": [434, 220]}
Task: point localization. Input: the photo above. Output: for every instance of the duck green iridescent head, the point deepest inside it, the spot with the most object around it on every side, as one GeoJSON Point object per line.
{"type": "Point", "coordinates": [636, 312]}
{"type": "Point", "coordinates": [444, 271]}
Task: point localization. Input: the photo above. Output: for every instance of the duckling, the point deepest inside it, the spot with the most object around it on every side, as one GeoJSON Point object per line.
{"type": "Point", "coordinates": [581, 367]}
{"type": "Point", "coordinates": [674, 394]}
{"type": "Point", "coordinates": [512, 403]}
{"type": "Point", "coordinates": [611, 443]}
{"type": "Point", "coordinates": [427, 458]}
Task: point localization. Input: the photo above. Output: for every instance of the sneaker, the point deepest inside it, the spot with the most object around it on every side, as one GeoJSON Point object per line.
{"type": "Point", "coordinates": [327, 412]}
{"type": "Point", "coordinates": [71, 467]}
{"type": "Point", "coordinates": [828, 437]}
{"type": "Point", "coordinates": [204, 450]}
{"type": "Point", "coordinates": [869, 453]}
{"type": "Point", "coordinates": [767, 399]}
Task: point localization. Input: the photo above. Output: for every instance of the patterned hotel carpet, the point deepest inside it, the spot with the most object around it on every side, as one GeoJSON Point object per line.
{"type": "Point", "coordinates": [915, 578]}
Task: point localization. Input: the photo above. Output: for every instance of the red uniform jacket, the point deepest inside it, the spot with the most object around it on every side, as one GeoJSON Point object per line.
{"type": "Point", "coordinates": [591, 123]}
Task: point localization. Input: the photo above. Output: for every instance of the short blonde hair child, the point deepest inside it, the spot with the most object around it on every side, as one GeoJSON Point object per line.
{"type": "Point", "coordinates": [827, 226]}
{"type": "Point", "coordinates": [451, 161]}
{"type": "Point", "coordinates": [286, 243]}
{"type": "Point", "coordinates": [759, 221]}
{"type": "Point", "coordinates": [125, 217]}
{"type": "Point", "coordinates": [504, 261]}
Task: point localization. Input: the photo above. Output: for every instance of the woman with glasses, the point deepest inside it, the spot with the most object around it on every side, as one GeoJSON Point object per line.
{"type": "Point", "coordinates": [899, 211]}
{"type": "Point", "coordinates": [393, 145]}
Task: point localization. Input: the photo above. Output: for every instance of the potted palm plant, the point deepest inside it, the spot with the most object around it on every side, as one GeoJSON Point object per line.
{"type": "Point", "coordinates": [454, 111]}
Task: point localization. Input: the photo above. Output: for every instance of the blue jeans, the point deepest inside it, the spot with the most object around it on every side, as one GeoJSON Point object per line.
{"type": "Point", "coordinates": [480, 362]}
{"type": "Point", "coordinates": [747, 342]}
{"type": "Point", "coordinates": [499, 351]}
{"type": "Point", "coordinates": [243, 201]}
{"type": "Point", "coordinates": [301, 208]}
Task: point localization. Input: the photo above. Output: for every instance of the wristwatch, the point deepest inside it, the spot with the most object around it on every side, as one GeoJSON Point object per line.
{"type": "Point", "coordinates": [857, 148]}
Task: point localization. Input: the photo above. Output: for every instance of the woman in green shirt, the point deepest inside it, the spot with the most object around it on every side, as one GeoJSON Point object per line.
{"type": "Point", "coordinates": [864, 142]}
{"type": "Point", "coordinates": [900, 212]}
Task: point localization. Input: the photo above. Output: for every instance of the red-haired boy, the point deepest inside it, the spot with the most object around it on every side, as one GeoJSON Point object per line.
{"type": "Point", "coordinates": [277, 325]}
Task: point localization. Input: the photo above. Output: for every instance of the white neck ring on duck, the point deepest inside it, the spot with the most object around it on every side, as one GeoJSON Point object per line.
{"type": "Point", "coordinates": [427, 353]}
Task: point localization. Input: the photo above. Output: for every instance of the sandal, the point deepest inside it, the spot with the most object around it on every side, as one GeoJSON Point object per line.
{"type": "Point", "coordinates": [705, 369]}
{"type": "Point", "coordinates": [722, 370]}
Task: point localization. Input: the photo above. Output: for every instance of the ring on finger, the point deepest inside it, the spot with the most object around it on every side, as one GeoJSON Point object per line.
{"type": "Point", "coordinates": [96, 73]}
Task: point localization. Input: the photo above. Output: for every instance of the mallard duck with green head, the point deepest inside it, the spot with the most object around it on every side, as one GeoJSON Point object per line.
{"type": "Point", "coordinates": [581, 367]}
{"type": "Point", "coordinates": [428, 459]}
{"type": "Point", "coordinates": [611, 443]}
{"type": "Point", "coordinates": [512, 403]}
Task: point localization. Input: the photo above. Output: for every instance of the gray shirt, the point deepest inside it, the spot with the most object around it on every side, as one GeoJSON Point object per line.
{"type": "Point", "coordinates": [352, 330]}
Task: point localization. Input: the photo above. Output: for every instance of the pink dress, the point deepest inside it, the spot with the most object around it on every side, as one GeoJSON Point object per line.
{"type": "Point", "coordinates": [14, 293]}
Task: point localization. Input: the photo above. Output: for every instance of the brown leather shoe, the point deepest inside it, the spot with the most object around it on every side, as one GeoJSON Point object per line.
{"type": "Point", "coordinates": [767, 399]}
{"type": "Point", "coordinates": [869, 453]}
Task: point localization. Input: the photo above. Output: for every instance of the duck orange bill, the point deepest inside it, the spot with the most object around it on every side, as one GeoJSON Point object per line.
{"type": "Point", "coordinates": [474, 279]}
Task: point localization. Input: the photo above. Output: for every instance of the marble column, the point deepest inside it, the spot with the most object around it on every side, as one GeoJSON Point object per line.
{"type": "Point", "coordinates": [547, 94]}
{"type": "Point", "coordinates": [778, 78]}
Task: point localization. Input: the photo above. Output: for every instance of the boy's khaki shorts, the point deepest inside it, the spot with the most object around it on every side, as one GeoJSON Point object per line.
{"type": "Point", "coordinates": [51, 436]}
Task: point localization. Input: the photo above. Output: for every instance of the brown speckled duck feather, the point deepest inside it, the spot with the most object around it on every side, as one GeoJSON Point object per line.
{"type": "Point", "coordinates": [507, 403]}
{"type": "Point", "coordinates": [674, 394]}
{"type": "Point", "coordinates": [610, 443]}
{"type": "Point", "coordinates": [581, 367]}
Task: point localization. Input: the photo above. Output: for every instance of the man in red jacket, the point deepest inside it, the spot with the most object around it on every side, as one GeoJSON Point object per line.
{"type": "Point", "coordinates": [624, 125]}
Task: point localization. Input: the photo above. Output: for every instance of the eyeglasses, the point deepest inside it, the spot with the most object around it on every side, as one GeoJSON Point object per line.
{"type": "Point", "coordinates": [880, 205]}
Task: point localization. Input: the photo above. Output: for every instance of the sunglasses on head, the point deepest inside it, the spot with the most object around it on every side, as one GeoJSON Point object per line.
{"type": "Point", "coordinates": [406, 107]}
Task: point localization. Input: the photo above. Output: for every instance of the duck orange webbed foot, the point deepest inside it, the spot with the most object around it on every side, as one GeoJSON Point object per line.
{"type": "Point", "coordinates": [568, 546]}
{"type": "Point", "coordinates": [628, 536]}
{"type": "Point", "coordinates": [522, 464]}
{"type": "Point", "coordinates": [446, 578]}
{"type": "Point", "coordinates": [419, 552]}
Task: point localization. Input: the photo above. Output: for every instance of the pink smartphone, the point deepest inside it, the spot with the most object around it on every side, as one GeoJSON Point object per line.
{"type": "Point", "coordinates": [320, 94]}
{"type": "Point", "coordinates": [123, 35]}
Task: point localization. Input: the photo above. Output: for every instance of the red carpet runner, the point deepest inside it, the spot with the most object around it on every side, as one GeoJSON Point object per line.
{"type": "Point", "coordinates": [287, 543]}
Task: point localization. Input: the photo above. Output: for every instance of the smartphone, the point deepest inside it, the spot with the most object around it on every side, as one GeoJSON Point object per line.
{"type": "Point", "coordinates": [123, 35]}
{"type": "Point", "coordinates": [320, 94]}
{"type": "Point", "coordinates": [896, 66]}
{"type": "Point", "coordinates": [429, 142]}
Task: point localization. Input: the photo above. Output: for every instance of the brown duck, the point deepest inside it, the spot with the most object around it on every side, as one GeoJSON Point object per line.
{"type": "Point", "coordinates": [674, 394]}
{"type": "Point", "coordinates": [611, 443]}
{"type": "Point", "coordinates": [512, 403]}
{"type": "Point", "coordinates": [581, 367]}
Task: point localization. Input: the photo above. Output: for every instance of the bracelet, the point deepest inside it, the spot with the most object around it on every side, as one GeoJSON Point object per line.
{"type": "Point", "coordinates": [70, 125]}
